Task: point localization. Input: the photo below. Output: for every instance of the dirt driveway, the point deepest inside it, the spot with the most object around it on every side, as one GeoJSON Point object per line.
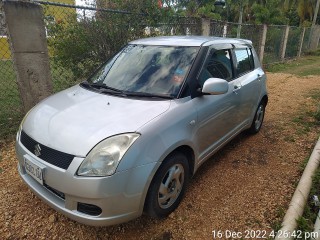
{"type": "Point", "coordinates": [245, 186]}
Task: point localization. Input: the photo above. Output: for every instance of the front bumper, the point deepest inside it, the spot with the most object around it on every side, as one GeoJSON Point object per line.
{"type": "Point", "coordinates": [120, 196]}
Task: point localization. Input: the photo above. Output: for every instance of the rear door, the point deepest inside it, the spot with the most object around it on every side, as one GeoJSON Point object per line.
{"type": "Point", "coordinates": [248, 80]}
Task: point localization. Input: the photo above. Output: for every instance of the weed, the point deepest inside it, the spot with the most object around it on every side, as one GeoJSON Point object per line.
{"type": "Point", "coordinates": [306, 221]}
{"type": "Point", "coordinates": [289, 139]}
{"type": "Point", "coordinates": [276, 226]}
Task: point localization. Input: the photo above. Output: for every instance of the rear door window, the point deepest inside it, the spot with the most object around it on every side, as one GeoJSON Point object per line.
{"type": "Point", "coordinates": [244, 61]}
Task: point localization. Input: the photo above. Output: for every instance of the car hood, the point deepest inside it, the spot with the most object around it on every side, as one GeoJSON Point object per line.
{"type": "Point", "coordinates": [75, 120]}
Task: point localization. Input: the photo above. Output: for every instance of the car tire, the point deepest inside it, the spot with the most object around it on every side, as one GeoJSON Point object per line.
{"type": "Point", "coordinates": [168, 186]}
{"type": "Point", "coordinates": [258, 119]}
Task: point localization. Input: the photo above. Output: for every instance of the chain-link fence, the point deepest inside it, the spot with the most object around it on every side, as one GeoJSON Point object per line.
{"type": "Point", "coordinates": [10, 105]}
{"type": "Point", "coordinates": [306, 40]}
{"type": "Point", "coordinates": [246, 31]}
{"type": "Point", "coordinates": [273, 45]}
{"type": "Point", "coordinates": [293, 43]}
{"type": "Point", "coordinates": [81, 38]}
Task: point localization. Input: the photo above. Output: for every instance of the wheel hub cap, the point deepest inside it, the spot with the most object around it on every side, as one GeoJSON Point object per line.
{"type": "Point", "coordinates": [171, 186]}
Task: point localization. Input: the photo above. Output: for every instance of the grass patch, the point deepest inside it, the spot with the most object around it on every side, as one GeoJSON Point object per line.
{"type": "Point", "coordinates": [307, 120]}
{"type": "Point", "coordinates": [289, 139]}
{"type": "Point", "coordinates": [305, 66]}
{"type": "Point", "coordinates": [10, 103]}
{"type": "Point", "coordinates": [276, 226]}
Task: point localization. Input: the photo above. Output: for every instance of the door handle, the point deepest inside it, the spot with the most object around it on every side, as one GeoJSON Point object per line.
{"type": "Point", "coordinates": [259, 77]}
{"type": "Point", "coordinates": [236, 88]}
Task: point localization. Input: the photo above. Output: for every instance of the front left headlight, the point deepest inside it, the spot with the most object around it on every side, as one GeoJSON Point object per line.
{"type": "Point", "coordinates": [105, 157]}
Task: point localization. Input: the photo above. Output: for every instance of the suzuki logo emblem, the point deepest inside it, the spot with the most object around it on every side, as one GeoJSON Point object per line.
{"type": "Point", "coordinates": [37, 150]}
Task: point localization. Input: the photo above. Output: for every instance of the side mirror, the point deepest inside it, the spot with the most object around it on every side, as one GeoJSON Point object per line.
{"type": "Point", "coordinates": [215, 86]}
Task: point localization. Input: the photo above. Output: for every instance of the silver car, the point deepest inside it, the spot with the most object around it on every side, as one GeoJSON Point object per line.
{"type": "Point", "coordinates": [128, 140]}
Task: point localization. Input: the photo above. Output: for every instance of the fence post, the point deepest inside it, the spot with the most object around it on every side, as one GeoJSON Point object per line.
{"type": "Point", "coordinates": [205, 27]}
{"type": "Point", "coordinates": [263, 42]}
{"type": "Point", "coordinates": [284, 44]}
{"type": "Point", "coordinates": [301, 42]}
{"type": "Point", "coordinates": [314, 37]}
{"type": "Point", "coordinates": [29, 49]}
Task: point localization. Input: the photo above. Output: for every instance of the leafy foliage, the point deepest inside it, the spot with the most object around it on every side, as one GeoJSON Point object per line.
{"type": "Point", "coordinates": [72, 43]}
{"type": "Point", "coordinates": [269, 13]}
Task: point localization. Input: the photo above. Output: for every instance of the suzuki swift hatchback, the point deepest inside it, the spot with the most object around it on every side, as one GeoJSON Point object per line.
{"type": "Point", "coordinates": [127, 140]}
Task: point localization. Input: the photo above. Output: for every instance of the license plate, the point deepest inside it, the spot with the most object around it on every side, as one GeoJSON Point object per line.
{"type": "Point", "coordinates": [34, 169]}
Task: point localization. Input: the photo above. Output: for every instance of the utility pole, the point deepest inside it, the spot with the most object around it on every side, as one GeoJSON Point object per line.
{"type": "Point", "coordinates": [315, 14]}
{"type": "Point", "coordinates": [240, 19]}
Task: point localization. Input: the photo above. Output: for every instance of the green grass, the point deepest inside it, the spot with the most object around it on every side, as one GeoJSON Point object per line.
{"type": "Point", "coordinates": [307, 120]}
{"type": "Point", "coordinates": [10, 103]}
{"type": "Point", "coordinates": [305, 66]}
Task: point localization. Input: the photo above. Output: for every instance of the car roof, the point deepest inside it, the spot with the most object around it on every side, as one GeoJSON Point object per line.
{"type": "Point", "coordinates": [191, 41]}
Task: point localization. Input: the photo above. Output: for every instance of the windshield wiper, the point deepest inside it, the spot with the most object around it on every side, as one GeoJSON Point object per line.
{"type": "Point", "coordinates": [106, 89]}
{"type": "Point", "coordinates": [147, 95]}
{"type": "Point", "coordinates": [102, 87]}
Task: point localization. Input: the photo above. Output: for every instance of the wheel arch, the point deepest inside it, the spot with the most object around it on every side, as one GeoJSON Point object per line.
{"type": "Point", "coordinates": [189, 154]}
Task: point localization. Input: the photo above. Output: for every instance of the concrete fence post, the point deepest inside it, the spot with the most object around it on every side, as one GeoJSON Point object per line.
{"type": "Point", "coordinates": [205, 27]}
{"type": "Point", "coordinates": [284, 43]}
{"type": "Point", "coordinates": [28, 44]}
{"type": "Point", "coordinates": [263, 42]}
{"type": "Point", "coordinates": [314, 37]}
{"type": "Point", "coordinates": [301, 42]}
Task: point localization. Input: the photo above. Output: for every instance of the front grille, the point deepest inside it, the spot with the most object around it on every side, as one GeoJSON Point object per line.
{"type": "Point", "coordinates": [49, 155]}
{"type": "Point", "coordinates": [55, 191]}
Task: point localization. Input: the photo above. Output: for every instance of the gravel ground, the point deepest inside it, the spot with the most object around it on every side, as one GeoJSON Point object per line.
{"type": "Point", "coordinates": [243, 187]}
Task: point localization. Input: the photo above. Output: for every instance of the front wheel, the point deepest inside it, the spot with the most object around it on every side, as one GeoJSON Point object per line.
{"type": "Point", "coordinates": [258, 119]}
{"type": "Point", "coordinates": [168, 186]}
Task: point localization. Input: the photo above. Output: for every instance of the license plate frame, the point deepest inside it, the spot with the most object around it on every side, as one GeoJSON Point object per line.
{"type": "Point", "coordinates": [34, 169]}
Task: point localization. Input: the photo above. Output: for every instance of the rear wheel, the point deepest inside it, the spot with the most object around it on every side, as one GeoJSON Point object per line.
{"type": "Point", "coordinates": [258, 119]}
{"type": "Point", "coordinates": [168, 186]}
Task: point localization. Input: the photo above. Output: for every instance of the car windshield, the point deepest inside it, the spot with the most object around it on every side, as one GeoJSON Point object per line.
{"type": "Point", "coordinates": [152, 70]}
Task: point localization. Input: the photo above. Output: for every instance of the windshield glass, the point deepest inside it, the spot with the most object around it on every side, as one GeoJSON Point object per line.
{"type": "Point", "coordinates": [158, 70]}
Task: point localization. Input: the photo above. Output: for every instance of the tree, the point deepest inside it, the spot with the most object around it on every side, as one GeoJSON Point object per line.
{"type": "Point", "coordinates": [269, 13]}
{"type": "Point", "coordinates": [305, 10]}
{"type": "Point", "coordinates": [200, 8]}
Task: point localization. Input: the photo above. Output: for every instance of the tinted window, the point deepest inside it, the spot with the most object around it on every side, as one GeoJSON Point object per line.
{"type": "Point", "coordinates": [251, 58]}
{"type": "Point", "coordinates": [244, 60]}
{"type": "Point", "coordinates": [219, 65]}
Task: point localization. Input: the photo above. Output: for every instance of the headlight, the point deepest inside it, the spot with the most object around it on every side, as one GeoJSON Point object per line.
{"type": "Point", "coordinates": [104, 158]}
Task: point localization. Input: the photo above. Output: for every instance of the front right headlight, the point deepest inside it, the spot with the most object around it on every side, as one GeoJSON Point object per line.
{"type": "Point", "coordinates": [105, 157]}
